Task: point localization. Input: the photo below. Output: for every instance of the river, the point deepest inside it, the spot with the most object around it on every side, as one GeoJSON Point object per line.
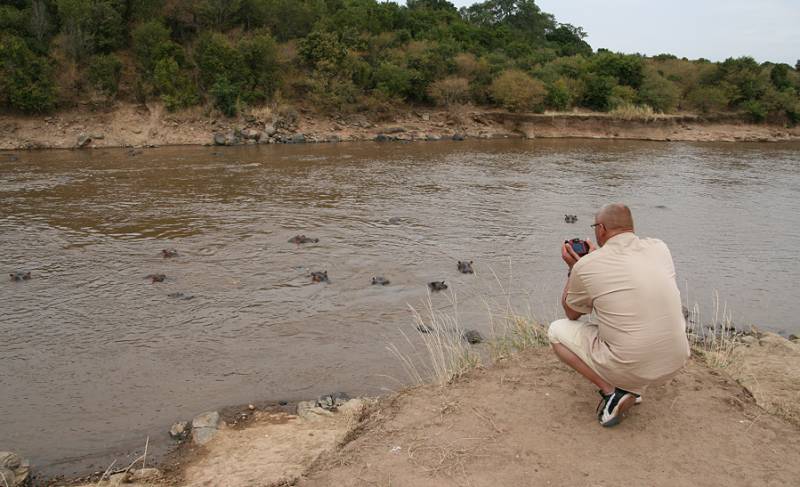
{"type": "Point", "coordinates": [94, 358]}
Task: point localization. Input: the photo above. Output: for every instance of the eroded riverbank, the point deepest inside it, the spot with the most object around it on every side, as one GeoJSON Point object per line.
{"type": "Point", "coordinates": [137, 126]}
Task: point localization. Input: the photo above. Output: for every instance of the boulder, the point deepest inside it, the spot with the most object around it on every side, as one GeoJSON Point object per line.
{"type": "Point", "coordinates": [298, 139]}
{"type": "Point", "coordinates": [332, 402]}
{"type": "Point", "coordinates": [309, 410]}
{"type": "Point", "coordinates": [180, 430]}
{"type": "Point", "coordinates": [459, 137]}
{"type": "Point", "coordinates": [432, 137]}
{"type": "Point", "coordinates": [383, 138]}
{"type": "Point", "coordinates": [251, 134]}
{"type": "Point", "coordinates": [145, 475]}
{"type": "Point", "coordinates": [394, 130]}
{"type": "Point", "coordinates": [204, 427]}
{"type": "Point", "coordinates": [269, 129]}
{"type": "Point", "coordinates": [83, 141]}
{"type": "Point", "coordinates": [14, 469]}
{"type": "Point", "coordinates": [219, 139]}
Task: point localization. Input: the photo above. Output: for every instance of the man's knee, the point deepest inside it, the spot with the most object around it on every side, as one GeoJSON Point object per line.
{"type": "Point", "coordinates": [555, 333]}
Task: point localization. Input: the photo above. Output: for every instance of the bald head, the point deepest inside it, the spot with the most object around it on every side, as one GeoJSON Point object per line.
{"type": "Point", "coordinates": [615, 217]}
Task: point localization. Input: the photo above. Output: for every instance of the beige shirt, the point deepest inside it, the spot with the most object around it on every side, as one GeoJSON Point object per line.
{"type": "Point", "coordinates": [629, 284]}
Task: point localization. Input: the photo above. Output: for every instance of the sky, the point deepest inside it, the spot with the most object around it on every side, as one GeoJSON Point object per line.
{"type": "Point", "coordinates": [768, 30]}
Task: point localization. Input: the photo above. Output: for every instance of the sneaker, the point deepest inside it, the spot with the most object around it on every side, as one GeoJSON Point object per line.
{"type": "Point", "coordinates": [613, 406]}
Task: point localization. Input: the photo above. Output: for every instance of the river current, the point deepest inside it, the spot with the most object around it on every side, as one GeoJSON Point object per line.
{"type": "Point", "coordinates": [94, 358]}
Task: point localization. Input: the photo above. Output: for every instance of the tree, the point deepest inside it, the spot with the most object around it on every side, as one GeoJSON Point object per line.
{"type": "Point", "coordinates": [660, 94]}
{"type": "Point", "coordinates": [40, 24]}
{"type": "Point", "coordinates": [514, 90]}
{"type": "Point", "coordinates": [104, 73]}
{"type": "Point", "coordinates": [26, 80]}
{"type": "Point", "coordinates": [779, 76]}
{"type": "Point", "coordinates": [598, 92]}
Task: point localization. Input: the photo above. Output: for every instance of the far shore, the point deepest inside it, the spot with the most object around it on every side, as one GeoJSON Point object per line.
{"type": "Point", "coordinates": [139, 126]}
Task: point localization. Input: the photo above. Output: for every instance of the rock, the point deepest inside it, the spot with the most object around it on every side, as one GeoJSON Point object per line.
{"type": "Point", "coordinates": [97, 136]}
{"type": "Point", "coordinates": [15, 469]}
{"type": "Point", "coordinates": [472, 336]}
{"type": "Point", "coordinates": [383, 138]}
{"type": "Point", "coordinates": [219, 139]}
{"type": "Point", "coordinates": [332, 402]}
{"type": "Point", "coordinates": [145, 475]}
{"type": "Point", "coordinates": [394, 130]}
{"type": "Point", "coordinates": [83, 141]}
{"type": "Point", "coordinates": [309, 410]}
{"type": "Point", "coordinates": [204, 427]}
{"type": "Point", "coordinates": [118, 479]}
{"type": "Point", "coordinates": [749, 340]}
{"type": "Point", "coordinates": [459, 137]}
{"type": "Point", "coordinates": [426, 117]}
{"type": "Point", "coordinates": [793, 338]}
{"type": "Point", "coordinates": [333, 138]}
{"type": "Point", "coordinates": [180, 430]}
{"type": "Point", "coordinates": [251, 134]}
{"type": "Point", "coordinates": [298, 139]}
{"type": "Point", "coordinates": [269, 129]}
{"type": "Point", "coordinates": [431, 137]}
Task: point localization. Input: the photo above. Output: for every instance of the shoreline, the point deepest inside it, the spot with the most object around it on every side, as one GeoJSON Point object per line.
{"type": "Point", "coordinates": [139, 126]}
{"type": "Point", "coordinates": [331, 435]}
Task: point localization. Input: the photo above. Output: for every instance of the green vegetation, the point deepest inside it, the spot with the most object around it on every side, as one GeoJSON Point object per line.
{"type": "Point", "coordinates": [354, 55]}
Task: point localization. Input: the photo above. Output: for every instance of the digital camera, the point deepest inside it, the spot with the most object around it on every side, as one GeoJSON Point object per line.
{"type": "Point", "coordinates": [579, 246]}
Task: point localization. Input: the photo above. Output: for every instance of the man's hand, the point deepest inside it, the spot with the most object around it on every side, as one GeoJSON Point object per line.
{"type": "Point", "coordinates": [569, 255]}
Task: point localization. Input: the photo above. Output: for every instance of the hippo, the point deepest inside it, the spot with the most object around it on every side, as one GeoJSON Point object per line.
{"type": "Point", "coordinates": [395, 220]}
{"type": "Point", "coordinates": [423, 328]}
{"type": "Point", "coordinates": [302, 239]}
{"type": "Point", "coordinates": [437, 286]}
{"type": "Point", "coordinates": [20, 276]}
{"type": "Point", "coordinates": [180, 295]}
{"type": "Point", "coordinates": [380, 280]}
{"type": "Point", "coordinates": [465, 267]}
{"type": "Point", "coordinates": [318, 276]}
{"type": "Point", "coordinates": [168, 253]}
{"type": "Point", "coordinates": [156, 277]}
{"type": "Point", "coordinates": [472, 336]}
{"type": "Point", "coordinates": [570, 218]}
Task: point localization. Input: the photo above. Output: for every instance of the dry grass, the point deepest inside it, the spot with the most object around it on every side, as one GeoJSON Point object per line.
{"type": "Point", "coordinates": [634, 112]}
{"type": "Point", "coordinates": [716, 341]}
{"type": "Point", "coordinates": [446, 355]}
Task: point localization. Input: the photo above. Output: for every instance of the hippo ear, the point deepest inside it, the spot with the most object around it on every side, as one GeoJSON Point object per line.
{"type": "Point", "coordinates": [470, 262]}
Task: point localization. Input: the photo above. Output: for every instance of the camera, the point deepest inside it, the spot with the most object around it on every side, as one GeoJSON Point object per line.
{"type": "Point", "coordinates": [579, 246]}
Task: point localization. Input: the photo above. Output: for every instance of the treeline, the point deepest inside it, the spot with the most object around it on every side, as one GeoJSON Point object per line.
{"type": "Point", "coordinates": [351, 55]}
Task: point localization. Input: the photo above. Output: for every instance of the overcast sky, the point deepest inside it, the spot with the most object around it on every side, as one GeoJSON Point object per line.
{"type": "Point", "coordinates": [768, 30]}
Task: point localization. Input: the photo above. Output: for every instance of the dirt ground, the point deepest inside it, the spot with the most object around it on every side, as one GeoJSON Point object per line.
{"type": "Point", "coordinates": [130, 125]}
{"type": "Point", "coordinates": [530, 421]}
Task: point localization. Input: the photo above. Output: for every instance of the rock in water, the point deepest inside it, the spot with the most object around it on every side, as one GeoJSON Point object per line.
{"type": "Point", "coordinates": [180, 430]}
{"type": "Point", "coordinates": [204, 427]}
{"type": "Point", "coordinates": [83, 141]}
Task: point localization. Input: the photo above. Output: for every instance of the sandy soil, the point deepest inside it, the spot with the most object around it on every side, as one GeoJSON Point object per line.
{"type": "Point", "coordinates": [527, 420]}
{"type": "Point", "coordinates": [128, 125]}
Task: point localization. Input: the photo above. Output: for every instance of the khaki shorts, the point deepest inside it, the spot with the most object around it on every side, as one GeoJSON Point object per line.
{"type": "Point", "coordinates": [577, 336]}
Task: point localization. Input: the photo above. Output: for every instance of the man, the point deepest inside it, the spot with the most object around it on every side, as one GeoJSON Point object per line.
{"type": "Point", "coordinates": [637, 335]}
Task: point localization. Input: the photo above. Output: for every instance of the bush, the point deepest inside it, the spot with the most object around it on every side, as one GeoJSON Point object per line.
{"type": "Point", "coordinates": [215, 58]}
{"type": "Point", "coordinates": [449, 91]}
{"type": "Point", "coordinates": [755, 111]}
{"type": "Point", "coordinates": [151, 44]}
{"type": "Point", "coordinates": [260, 58]}
{"type": "Point", "coordinates": [26, 80]}
{"type": "Point", "coordinates": [707, 99]}
{"type": "Point", "coordinates": [226, 96]}
{"type": "Point", "coordinates": [393, 80]}
{"type": "Point", "coordinates": [660, 94]}
{"type": "Point", "coordinates": [559, 96]}
{"type": "Point", "coordinates": [514, 90]}
{"type": "Point", "coordinates": [598, 92]}
{"type": "Point", "coordinates": [175, 88]}
{"type": "Point", "coordinates": [104, 73]}
{"type": "Point", "coordinates": [627, 69]}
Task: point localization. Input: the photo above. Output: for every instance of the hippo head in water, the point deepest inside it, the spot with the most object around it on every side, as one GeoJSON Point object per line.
{"type": "Point", "coordinates": [465, 267]}
{"type": "Point", "coordinates": [318, 276]}
{"type": "Point", "coordinates": [167, 253]}
{"type": "Point", "coordinates": [20, 276]}
{"type": "Point", "coordinates": [154, 278]}
{"type": "Point", "coordinates": [380, 281]}
{"type": "Point", "coordinates": [570, 218]}
{"type": "Point", "coordinates": [302, 239]}
{"type": "Point", "coordinates": [437, 286]}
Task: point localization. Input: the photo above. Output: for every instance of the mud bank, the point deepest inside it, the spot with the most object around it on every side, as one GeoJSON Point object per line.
{"type": "Point", "coordinates": [526, 419]}
{"type": "Point", "coordinates": [130, 125]}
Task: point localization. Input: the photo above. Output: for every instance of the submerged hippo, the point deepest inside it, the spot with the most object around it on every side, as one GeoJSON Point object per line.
{"type": "Point", "coordinates": [168, 253]}
{"type": "Point", "coordinates": [156, 277]}
{"type": "Point", "coordinates": [318, 276]}
{"type": "Point", "coordinates": [570, 218]}
{"type": "Point", "coordinates": [437, 286]}
{"type": "Point", "coordinates": [380, 281]}
{"type": "Point", "coordinates": [423, 328]}
{"type": "Point", "coordinates": [465, 267]}
{"type": "Point", "coordinates": [20, 276]}
{"type": "Point", "coordinates": [302, 239]}
{"type": "Point", "coordinates": [180, 295]}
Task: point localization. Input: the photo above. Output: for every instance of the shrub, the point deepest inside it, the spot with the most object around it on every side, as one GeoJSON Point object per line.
{"type": "Point", "coordinates": [627, 69]}
{"type": "Point", "coordinates": [260, 57]}
{"type": "Point", "coordinates": [393, 80]}
{"type": "Point", "coordinates": [755, 111]}
{"type": "Point", "coordinates": [26, 80]}
{"type": "Point", "coordinates": [598, 91]}
{"type": "Point", "coordinates": [621, 96]}
{"type": "Point", "coordinates": [175, 88]}
{"type": "Point", "coordinates": [226, 96]}
{"type": "Point", "coordinates": [559, 96]}
{"type": "Point", "coordinates": [151, 43]}
{"type": "Point", "coordinates": [104, 73]}
{"type": "Point", "coordinates": [449, 91]}
{"type": "Point", "coordinates": [659, 93]}
{"type": "Point", "coordinates": [216, 58]}
{"type": "Point", "coordinates": [514, 90]}
{"type": "Point", "coordinates": [707, 99]}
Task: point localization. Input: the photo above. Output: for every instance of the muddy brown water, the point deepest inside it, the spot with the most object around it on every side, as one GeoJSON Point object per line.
{"type": "Point", "coordinates": [94, 358]}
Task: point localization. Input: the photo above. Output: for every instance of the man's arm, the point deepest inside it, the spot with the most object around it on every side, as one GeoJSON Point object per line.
{"type": "Point", "coordinates": [571, 313]}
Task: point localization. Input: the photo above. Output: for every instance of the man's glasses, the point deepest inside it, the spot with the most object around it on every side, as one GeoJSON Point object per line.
{"type": "Point", "coordinates": [593, 225]}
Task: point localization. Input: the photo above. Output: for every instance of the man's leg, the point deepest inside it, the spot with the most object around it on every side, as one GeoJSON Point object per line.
{"type": "Point", "coordinates": [568, 357]}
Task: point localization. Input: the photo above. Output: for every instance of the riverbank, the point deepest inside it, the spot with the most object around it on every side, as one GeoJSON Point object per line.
{"type": "Point", "coordinates": [128, 125]}
{"type": "Point", "coordinates": [525, 419]}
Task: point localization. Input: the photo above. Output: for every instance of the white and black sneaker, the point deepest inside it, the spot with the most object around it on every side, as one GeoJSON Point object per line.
{"type": "Point", "coordinates": [613, 406]}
